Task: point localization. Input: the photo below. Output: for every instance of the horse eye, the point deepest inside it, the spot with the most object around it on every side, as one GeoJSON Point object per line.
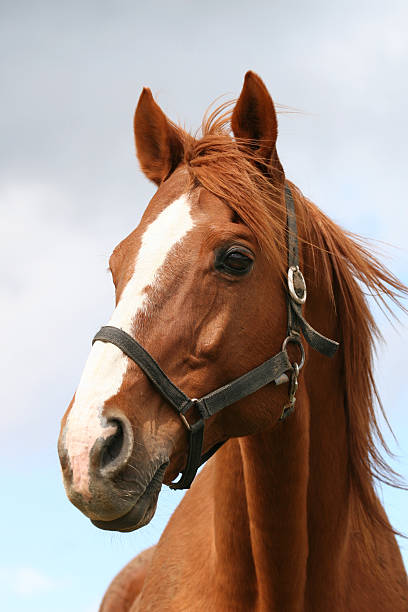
{"type": "Point", "coordinates": [236, 261]}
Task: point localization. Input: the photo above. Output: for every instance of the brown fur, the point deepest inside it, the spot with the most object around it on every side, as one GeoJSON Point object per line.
{"type": "Point", "coordinates": [285, 516]}
{"type": "Point", "coordinates": [126, 586]}
{"type": "Point", "coordinates": [339, 261]}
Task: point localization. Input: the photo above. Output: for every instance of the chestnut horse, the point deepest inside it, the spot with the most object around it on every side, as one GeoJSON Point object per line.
{"type": "Point", "coordinates": [284, 516]}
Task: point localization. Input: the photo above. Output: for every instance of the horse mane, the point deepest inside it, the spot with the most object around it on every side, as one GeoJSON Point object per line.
{"type": "Point", "coordinates": [346, 269]}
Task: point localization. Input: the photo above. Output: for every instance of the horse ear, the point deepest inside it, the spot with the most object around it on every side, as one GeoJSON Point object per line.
{"type": "Point", "coordinates": [254, 119]}
{"type": "Point", "coordinates": [159, 145]}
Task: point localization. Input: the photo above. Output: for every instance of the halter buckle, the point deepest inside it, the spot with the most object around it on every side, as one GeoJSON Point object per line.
{"type": "Point", "coordinates": [289, 407]}
{"type": "Point", "coordinates": [294, 274]}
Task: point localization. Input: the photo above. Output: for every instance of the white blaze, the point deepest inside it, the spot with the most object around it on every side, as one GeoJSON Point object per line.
{"type": "Point", "coordinates": [106, 365]}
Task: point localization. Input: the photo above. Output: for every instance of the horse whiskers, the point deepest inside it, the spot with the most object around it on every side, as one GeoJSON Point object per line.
{"type": "Point", "coordinates": [136, 443]}
{"type": "Point", "coordinates": [124, 498]}
{"type": "Point", "coordinates": [133, 467]}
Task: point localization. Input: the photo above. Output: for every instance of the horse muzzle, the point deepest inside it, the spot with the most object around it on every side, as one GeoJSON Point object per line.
{"type": "Point", "coordinates": [116, 478]}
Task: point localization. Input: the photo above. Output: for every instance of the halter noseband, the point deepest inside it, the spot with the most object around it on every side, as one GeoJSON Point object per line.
{"type": "Point", "coordinates": [277, 369]}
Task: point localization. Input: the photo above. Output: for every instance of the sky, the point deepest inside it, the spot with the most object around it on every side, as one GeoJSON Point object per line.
{"type": "Point", "coordinates": [71, 189]}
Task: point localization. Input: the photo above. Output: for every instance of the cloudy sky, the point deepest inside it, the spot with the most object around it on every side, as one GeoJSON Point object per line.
{"type": "Point", "coordinates": [70, 189]}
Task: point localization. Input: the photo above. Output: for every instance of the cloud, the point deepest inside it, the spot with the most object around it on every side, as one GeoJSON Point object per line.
{"type": "Point", "coordinates": [56, 282]}
{"type": "Point", "coordinates": [70, 190]}
{"type": "Point", "coordinates": [94, 607]}
{"type": "Point", "coordinates": [26, 581]}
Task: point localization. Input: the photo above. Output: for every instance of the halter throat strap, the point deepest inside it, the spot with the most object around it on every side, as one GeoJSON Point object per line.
{"type": "Point", "coordinates": [276, 370]}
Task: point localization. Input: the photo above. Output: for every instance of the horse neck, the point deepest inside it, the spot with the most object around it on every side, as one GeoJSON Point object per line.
{"type": "Point", "coordinates": [290, 499]}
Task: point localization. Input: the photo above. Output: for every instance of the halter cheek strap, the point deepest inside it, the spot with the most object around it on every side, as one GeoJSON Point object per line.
{"type": "Point", "coordinates": [297, 288]}
{"type": "Point", "coordinates": [276, 370]}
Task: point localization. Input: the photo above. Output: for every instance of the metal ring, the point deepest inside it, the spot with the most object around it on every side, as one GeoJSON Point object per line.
{"type": "Point", "coordinates": [297, 341]}
{"type": "Point", "coordinates": [186, 423]}
{"type": "Point", "coordinates": [193, 401]}
{"type": "Point", "coordinates": [299, 300]}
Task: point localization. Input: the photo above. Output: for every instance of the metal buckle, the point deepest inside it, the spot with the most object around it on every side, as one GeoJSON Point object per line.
{"type": "Point", "coordinates": [291, 272]}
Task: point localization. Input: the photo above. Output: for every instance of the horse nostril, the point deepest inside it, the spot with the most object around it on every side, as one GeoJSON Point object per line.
{"type": "Point", "coordinates": [113, 445]}
{"type": "Point", "coordinates": [110, 454]}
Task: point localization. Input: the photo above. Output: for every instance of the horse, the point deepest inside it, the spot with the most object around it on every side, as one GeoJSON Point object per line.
{"type": "Point", "coordinates": [241, 335]}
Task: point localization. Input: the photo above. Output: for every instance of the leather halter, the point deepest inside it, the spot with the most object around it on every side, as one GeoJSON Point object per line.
{"type": "Point", "coordinates": [276, 370]}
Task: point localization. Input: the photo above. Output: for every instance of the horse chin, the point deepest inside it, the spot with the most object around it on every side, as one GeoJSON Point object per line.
{"type": "Point", "coordinates": [139, 516]}
{"type": "Point", "coordinates": [141, 513]}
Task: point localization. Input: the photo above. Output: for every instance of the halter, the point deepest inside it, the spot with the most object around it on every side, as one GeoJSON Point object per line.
{"type": "Point", "coordinates": [276, 370]}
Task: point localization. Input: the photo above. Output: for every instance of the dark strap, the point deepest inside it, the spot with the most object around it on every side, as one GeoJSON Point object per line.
{"type": "Point", "coordinates": [194, 459]}
{"type": "Point", "coordinates": [293, 252]}
{"type": "Point", "coordinates": [246, 384]}
{"type": "Point", "coordinates": [145, 361]}
{"type": "Point", "coordinates": [272, 370]}
{"type": "Point", "coordinates": [296, 321]}
{"type": "Point", "coordinates": [208, 405]}
{"type": "Point", "coordinates": [293, 249]}
{"type": "Point", "coordinates": [206, 456]}
{"type": "Point", "coordinates": [317, 341]}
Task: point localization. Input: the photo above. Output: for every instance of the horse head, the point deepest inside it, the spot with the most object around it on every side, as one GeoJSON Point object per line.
{"type": "Point", "coordinates": [199, 284]}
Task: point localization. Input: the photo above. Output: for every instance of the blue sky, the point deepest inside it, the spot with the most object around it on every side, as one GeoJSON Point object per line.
{"type": "Point", "coordinates": [70, 189]}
